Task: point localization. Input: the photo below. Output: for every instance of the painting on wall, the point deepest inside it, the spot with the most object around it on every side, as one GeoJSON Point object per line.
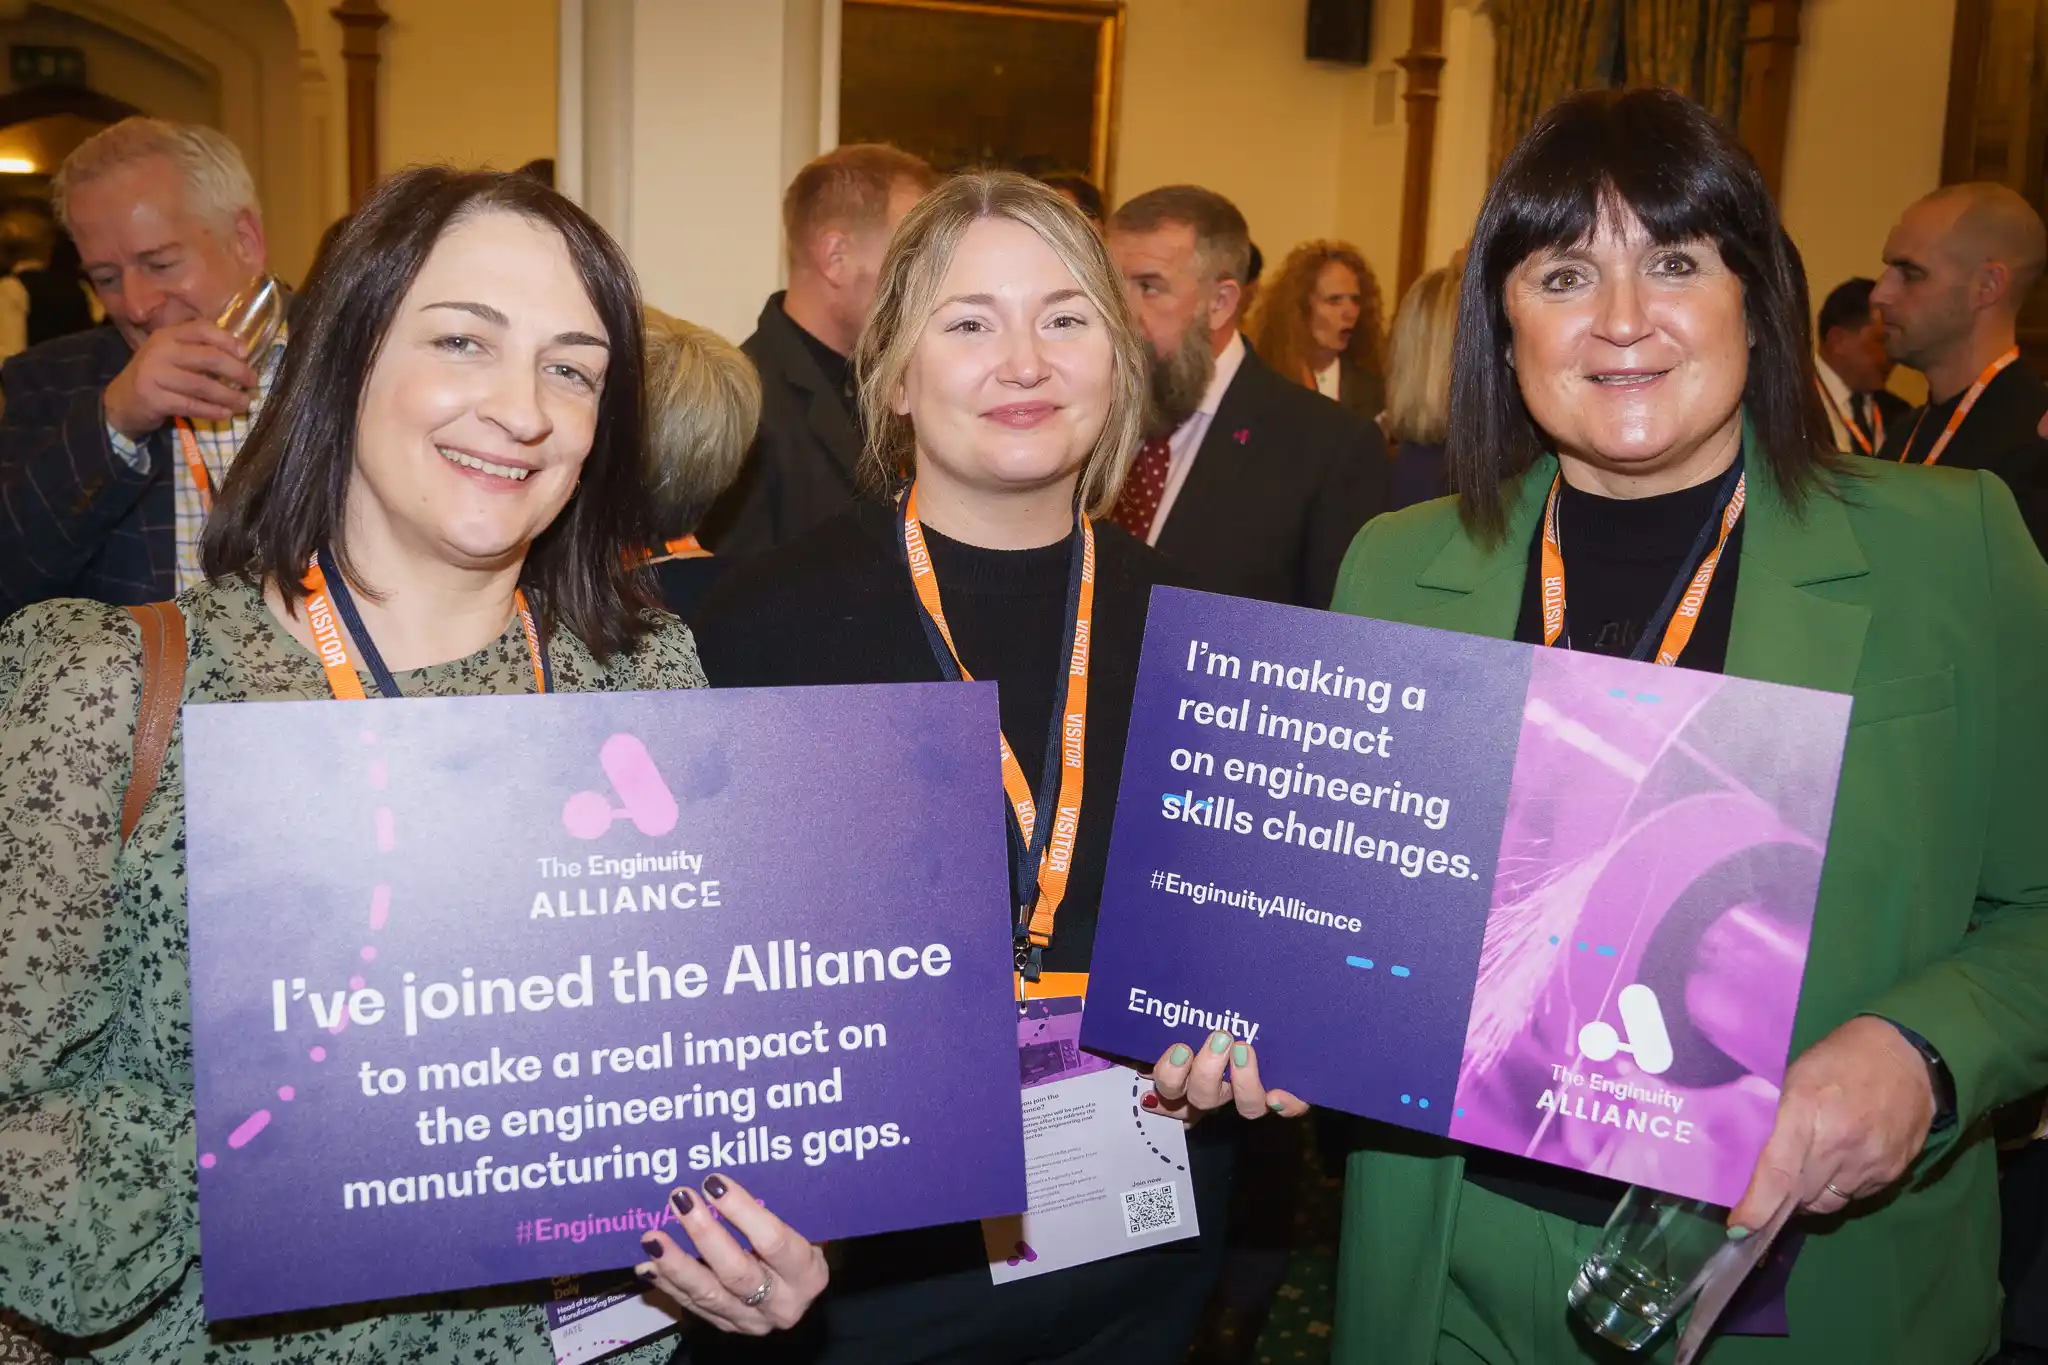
{"type": "Point", "coordinates": [1015, 84]}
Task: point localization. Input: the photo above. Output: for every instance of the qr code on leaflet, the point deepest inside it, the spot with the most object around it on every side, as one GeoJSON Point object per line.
{"type": "Point", "coordinates": [1151, 1208]}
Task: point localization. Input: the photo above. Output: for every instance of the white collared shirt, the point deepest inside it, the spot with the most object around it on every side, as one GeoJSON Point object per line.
{"type": "Point", "coordinates": [219, 443]}
{"type": "Point", "coordinates": [1186, 440]}
{"type": "Point", "coordinates": [1842, 404]}
{"type": "Point", "coordinates": [1328, 380]}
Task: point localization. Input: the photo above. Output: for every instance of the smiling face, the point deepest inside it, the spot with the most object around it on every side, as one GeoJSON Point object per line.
{"type": "Point", "coordinates": [1632, 356]}
{"type": "Point", "coordinates": [482, 404]}
{"type": "Point", "coordinates": [149, 258]}
{"type": "Point", "coordinates": [1333, 309]}
{"type": "Point", "coordinates": [1013, 373]}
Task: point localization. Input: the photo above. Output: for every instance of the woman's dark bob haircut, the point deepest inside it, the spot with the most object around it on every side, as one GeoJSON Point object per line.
{"type": "Point", "coordinates": [286, 492]}
{"type": "Point", "coordinates": [1662, 158]}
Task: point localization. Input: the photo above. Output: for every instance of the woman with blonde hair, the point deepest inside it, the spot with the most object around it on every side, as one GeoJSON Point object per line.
{"type": "Point", "coordinates": [1419, 388]}
{"type": "Point", "coordinates": [1002, 386]}
{"type": "Point", "coordinates": [1318, 323]}
{"type": "Point", "coordinates": [703, 405]}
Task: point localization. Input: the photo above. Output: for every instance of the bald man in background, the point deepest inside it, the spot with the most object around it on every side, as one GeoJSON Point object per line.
{"type": "Point", "coordinates": [1958, 266]}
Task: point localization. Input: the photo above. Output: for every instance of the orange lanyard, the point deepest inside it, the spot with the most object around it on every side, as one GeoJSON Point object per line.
{"type": "Point", "coordinates": [195, 463]}
{"type": "Point", "coordinates": [1874, 440]}
{"type": "Point", "coordinates": [685, 547]}
{"type": "Point", "coordinates": [1056, 859]}
{"type": "Point", "coordinates": [1684, 617]}
{"type": "Point", "coordinates": [332, 645]}
{"type": "Point", "coordinates": [1955, 419]}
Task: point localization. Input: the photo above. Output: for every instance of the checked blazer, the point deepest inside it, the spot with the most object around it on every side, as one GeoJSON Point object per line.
{"type": "Point", "coordinates": [75, 519]}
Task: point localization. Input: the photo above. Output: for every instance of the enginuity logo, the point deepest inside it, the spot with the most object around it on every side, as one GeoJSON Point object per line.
{"type": "Point", "coordinates": [644, 798]}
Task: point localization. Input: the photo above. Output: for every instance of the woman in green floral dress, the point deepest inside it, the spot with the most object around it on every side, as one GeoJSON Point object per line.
{"type": "Point", "coordinates": [455, 434]}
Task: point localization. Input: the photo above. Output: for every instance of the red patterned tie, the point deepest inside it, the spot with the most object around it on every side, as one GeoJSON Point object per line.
{"type": "Point", "coordinates": [1144, 486]}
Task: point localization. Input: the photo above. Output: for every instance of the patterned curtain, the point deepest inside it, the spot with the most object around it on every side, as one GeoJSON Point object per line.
{"type": "Point", "coordinates": [1692, 46]}
{"type": "Point", "coordinates": [1544, 50]}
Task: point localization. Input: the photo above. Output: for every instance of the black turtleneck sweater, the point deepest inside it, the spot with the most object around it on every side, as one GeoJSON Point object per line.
{"type": "Point", "coordinates": [1620, 557]}
{"type": "Point", "coordinates": [835, 606]}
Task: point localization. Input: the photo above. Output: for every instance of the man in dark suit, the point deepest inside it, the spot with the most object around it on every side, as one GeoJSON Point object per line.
{"type": "Point", "coordinates": [837, 218]}
{"type": "Point", "coordinates": [1257, 484]}
{"type": "Point", "coordinates": [1958, 265]}
{"type": "Point", "coordinates": [1852, 371]}
{"type": "Point", "coordinates": [101, 493]}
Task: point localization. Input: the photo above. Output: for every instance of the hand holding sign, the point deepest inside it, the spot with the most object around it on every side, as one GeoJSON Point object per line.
{"type": "Point", "coordinates": [1191, 1083]}
{"type": "Point", "coordinates": [735, 1290]}
{"type": "Point", "coordinates": [1854, 1114]}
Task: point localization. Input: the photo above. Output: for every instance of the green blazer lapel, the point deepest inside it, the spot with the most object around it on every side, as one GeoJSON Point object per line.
{"type": "Point", "coordinates": [1783, 631]}
{"type": "Point", "coordinates": [1487, 582]}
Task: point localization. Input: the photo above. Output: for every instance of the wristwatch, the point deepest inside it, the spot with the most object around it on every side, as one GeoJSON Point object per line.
{"type": "Point", "coordinates": [1938, 1076]}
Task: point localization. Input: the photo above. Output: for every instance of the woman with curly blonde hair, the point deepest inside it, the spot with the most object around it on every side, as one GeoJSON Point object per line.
{"type": "Point", "coordinates": [1318, 323]}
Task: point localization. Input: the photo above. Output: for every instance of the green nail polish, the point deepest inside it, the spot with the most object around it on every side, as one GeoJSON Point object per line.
{"type": "Point", "coordinates": [1219, 1041]}
{"type": "Point", "coordinates": [1275, 1105]}
{"type": "Point", "coordinates": [1178, 1054]}
{"type": "Point", "coordinates": [1738, 1233]}
{"type": "Point", "coordinates": [1241, 1056]}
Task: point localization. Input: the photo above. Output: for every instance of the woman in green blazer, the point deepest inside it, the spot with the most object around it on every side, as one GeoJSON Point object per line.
{"type": "Point", "coordinates": [1634, 389]}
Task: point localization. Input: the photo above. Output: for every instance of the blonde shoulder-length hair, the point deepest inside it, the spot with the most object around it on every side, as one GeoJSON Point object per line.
{"type": "Point", "coordinates": [914, 271]}
{"type": "Point", "coordinates": [703, 406]}
{"type": "Point", "coordinates": [1419, 360]}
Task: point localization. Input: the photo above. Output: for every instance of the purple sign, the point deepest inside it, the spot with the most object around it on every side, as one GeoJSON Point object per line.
{"type": "Point", "coordinates": [476, 981]}
{"type": "Point", "coordinates": [1549, 903]}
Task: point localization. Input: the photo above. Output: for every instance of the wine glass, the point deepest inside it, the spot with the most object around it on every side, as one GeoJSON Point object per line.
{"type": "Point", "coordinates": [254, 316]}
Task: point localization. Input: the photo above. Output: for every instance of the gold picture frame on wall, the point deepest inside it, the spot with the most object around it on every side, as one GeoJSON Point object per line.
{"type": "Point", "coordinates": [1025, 85]}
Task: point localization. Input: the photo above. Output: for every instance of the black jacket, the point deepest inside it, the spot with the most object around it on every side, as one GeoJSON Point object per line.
{"type": "Point", "coordinates": [800, 470]}
{"type": "Point", "coordinates": [1999, 435]}
{"type": "Point", "coordinates": [1284, 479]}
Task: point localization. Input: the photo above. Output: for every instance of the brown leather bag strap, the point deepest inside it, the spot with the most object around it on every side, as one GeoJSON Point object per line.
{"type": "Point", "coordinates": [163, 688]}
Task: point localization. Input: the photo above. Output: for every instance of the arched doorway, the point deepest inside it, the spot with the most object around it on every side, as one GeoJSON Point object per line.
{"type": "Point", "coordinates": [233, 64]}
{"type": "Point", "coordinates": [40, 125]}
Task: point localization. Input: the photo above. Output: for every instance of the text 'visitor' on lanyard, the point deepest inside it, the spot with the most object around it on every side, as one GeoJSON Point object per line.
{"type": "Point", "coordinates": [325, 600]}
{"type": "Point", "coordinates": [1680, 609]}
{"type": "Point", "coordinates": [1871, 441]}
{"type": "Point", "coordinates": [1045, 834]}
{"type": "Point", "coordinates": [1955, 419]}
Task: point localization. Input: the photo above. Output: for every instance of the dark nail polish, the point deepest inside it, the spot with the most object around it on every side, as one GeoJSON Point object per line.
{"type": "Point", "coordinates": [682, 1203]}
{"type": "Point", "coordinates": [714, 1187]}
{"type": "Point", "coordinates": [1149, 1100]}
{"type": "Point", "coordinates": [651, 1247]}
{"type": "Point", "coordinates": [646, 1276]}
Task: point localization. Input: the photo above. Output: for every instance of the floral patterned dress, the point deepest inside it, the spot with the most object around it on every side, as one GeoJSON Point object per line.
{"type": "Point", "coordinates": [99, 1232]}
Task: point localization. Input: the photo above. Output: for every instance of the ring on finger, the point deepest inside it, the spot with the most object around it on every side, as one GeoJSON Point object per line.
{"type": "Point", "coordinates": [1830, 1188]}
{"type": "Point", "coordinates": [760, 1296]}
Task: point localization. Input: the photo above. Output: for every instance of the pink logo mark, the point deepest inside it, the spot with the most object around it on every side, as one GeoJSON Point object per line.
{"type": "Point", "coordinates": [646, 798]}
